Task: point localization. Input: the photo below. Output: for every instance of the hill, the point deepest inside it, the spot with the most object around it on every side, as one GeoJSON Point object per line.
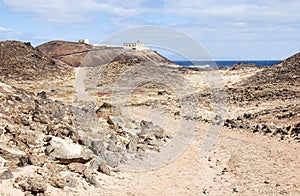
{"type": "Point", "coordinates": [78, 54]}
{"type": "Point", "coordinates": [58, 48]}
{"type": "Point", "coordinates": [286, 72]}
{"type": "Point", "coordinates": [20, 62]}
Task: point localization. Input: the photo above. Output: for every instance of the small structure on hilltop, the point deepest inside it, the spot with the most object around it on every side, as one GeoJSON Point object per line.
{"type": "Point", "coordinates": [135, 46]}
{"type": "Point", "coordinates": [84, 41]}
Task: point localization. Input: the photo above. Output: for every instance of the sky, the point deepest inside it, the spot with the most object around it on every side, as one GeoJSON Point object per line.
{"type": "Point", "coordinates": [226, 29]}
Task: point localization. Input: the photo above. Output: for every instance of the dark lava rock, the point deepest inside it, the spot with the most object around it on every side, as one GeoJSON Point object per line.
{"type": "Point", "coordinates": [21, 62]}
{"type": "Point", "coordinates": [230, 123]}
{"type": "Point", "coordinates": [240, 66]}
{"type": "Point", "coordinates": [42, 95]}
{"type": "Point", "coordinates": [286, 72]}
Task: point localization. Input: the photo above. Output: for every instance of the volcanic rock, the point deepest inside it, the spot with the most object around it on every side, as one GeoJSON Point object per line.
{"type": "Point", "coordinates": [286, 72]}
{"type": "Point", "coordinates": [243, 66]}
{"type": "Point", "coordinates": [20, 62]}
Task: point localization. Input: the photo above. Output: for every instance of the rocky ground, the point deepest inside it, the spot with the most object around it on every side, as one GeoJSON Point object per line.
{"type": "Point", "coordinates": [136, 124]}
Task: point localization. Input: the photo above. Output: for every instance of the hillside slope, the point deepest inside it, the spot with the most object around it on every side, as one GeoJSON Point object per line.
{"type": "Point", "coordinates": [20, 62]}
{"type": "Point", "coordinates": [77, 54]}
{"type": "Point", "coordinates": [59, 48]}
{"type": "Point", "coordinates": [286, 72]}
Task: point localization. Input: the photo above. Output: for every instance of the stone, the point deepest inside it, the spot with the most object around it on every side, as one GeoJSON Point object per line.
{"type": "Point", "coordinates": [42, 95]}
{"type": "Point", "coordinates": [77, 167]}
{"type": "Point", "coordinates": [146, 125]}
{"type": "Point", "coordinates": [230, 123]}
{"type": "Point", "coordinates": [116, 121]}
{"type": "Point", "coordinates": [47, 139]}
{"type": "Point", "coordinates": [106, 105]}
{"type": "Point", "coordinates": [265, 129]}
{"type": "Point", "coordinates": [104, 169]}
{"type": "Point", "coordinates": [113, 147]}
{"type": "Point", "coordinates": [113, 159]}
{"type": "Point", "coordinates": [6, 175]}
{"type": "Point", "coordinates": [256, 129]}
{"type": "Point", "coordinates": [105, 110]}
{"type": "Point", "coordinates": [90, 178]}
{"type": "Point", "coordinates": [97, 147]}
{"type": "Point", "coordinates": [56, 182]}
{"type": "Point", "coordinates": [155, 142]}
{"type": "Point", "coordinates": [132, 145]}
{"type": "Point", "coordinates": [34, 184]}
{"type": "Point", "coordinates": [67, 152]}
{"type": "Point", "coordinates": [142, 147]}
{"type": "Point", "coordinates": [295, 130]}
{"type": "Point", "coordinates": [247, 116]}
{"type": "Point", "coordinates": [96, 162]}
{"type": "Point", "coordinates": [15, 156]}
{"type": "Point", "coordinates": [280, 131]}
{"type": "Point", "coordinates": [70, 181]}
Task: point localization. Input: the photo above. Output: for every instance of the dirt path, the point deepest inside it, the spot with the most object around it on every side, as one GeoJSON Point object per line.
{"type": "Point", "coordinates": [240, 163]}
{"type": "Point", "coordinates": [80, 92]}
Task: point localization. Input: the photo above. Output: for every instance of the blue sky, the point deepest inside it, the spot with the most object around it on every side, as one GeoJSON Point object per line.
{"type": "Point", "coordinates": [228, 29]}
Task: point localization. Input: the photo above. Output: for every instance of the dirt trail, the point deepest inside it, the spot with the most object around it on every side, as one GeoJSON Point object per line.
{"type": "Point", "coordinates": [239, 163]}
{"type": "Point", "coordinates": [80, 91]}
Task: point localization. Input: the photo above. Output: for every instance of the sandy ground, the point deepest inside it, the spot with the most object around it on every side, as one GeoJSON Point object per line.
{"type": "Point", "coordinates": [239, 163]}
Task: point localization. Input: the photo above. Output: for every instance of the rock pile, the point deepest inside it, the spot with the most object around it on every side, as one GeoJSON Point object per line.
{"type": "Point", "coordinates": [259, 122]}
{"type": "Point", "coordinates": [243, 66]}
{"type": "Point", "coordinates": [247, 94]}
{"type": "Point", "coordinates": [286, 72]}
{"type": "Point", "coordinates": [114, 139]}
{"type": "Point", "coordinates": [52, 136]}
{"type": "Point", "coordinates": [20, 63]}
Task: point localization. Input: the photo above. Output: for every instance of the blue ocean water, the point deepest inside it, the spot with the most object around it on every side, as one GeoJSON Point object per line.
{"type": "Point", "coordinates": [227, 62]}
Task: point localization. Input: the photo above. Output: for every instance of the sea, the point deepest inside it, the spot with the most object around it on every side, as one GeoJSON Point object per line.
{"type": "Point", "coordinates": [226, 63]}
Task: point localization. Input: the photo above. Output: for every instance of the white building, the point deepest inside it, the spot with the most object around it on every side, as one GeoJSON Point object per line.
{"type": "Point", "coordinates": [135, 46]}
{"type": "Point", "coordinates": [84, 41]}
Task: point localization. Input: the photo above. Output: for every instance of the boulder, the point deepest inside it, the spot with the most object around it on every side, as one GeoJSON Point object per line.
{"type": "Point", "coordinates": [14, 156]}
{"type": "Point", "coordinates": [116, 121]}
{"type": "Point", "coordinates": [66, 152]}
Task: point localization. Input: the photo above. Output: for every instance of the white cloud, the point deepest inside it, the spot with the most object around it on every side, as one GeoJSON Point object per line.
{"type": "Point", "coordinates": [254, 9]}
{"type": "Point", "coordinates": [7, 33]}
{"type": "Point", "coordinates": [82, 10]}
{"type": "Point", "coordinates": [62, 11]}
